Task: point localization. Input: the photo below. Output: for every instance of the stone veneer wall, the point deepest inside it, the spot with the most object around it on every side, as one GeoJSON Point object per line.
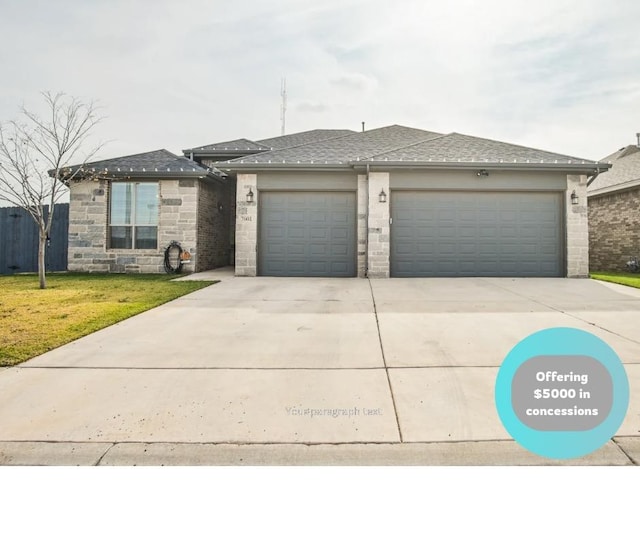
{"type": "Point", "coordinates": [362, 225]}
{"type": "Point", "coordinates": [88, 214]}
{"type": "Point", "coordinates": [379, 229]}
{"type": "Point", "coordinates": [246, 225]}
{"type": "Point", "coordinates": [614, 230]}
{"type": "Point", "coordinates": [577, 228]}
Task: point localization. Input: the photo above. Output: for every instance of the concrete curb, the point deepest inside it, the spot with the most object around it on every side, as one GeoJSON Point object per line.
{"type": "Point", "coordinates": [623, 451]}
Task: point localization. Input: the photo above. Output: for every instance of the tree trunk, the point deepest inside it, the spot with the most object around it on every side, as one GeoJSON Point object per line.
{"type": "Point", "coordinates": [42, 244]}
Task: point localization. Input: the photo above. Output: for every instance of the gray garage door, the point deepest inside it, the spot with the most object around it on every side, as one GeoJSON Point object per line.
{"type": "Point", "coordinates": [307, 234]}
{"type": "Point", "coordinates": [476, 234]}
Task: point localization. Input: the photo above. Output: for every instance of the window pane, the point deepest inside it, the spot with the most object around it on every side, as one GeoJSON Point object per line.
{"type": "Point", "coordinates": [121, 197]}
{"type": "Point", "coordinates": [147, 204]}
{"type": "Point", "coordinates": [147, 237]}
{"type": "Point", "coordinates": [120, 237]}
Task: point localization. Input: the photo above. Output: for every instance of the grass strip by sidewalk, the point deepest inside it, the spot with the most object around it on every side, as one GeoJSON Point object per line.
{"type": "Point", "coordinates": [33, 320]}
{"type": "Point", "coordinates": [623, 278]}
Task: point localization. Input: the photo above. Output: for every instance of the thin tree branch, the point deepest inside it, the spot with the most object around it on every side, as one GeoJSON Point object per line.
{"type": "Point", "coordinates": [35, 158]}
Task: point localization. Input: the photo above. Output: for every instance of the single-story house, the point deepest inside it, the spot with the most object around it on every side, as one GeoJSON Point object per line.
{"type": "Point", "coordinates": [392, 201]}
{"type": "Point", "coordinates": [614, 211]}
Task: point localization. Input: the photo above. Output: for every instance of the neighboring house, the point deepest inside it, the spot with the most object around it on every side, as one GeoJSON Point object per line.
{"type": "Point", "coordinates": [393, 201]}
{"type": "Point", "coordinates": [614, 212]}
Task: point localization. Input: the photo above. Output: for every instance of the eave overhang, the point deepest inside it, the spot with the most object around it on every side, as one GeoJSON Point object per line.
{"type": "Point", "coordinates": [614, 189]}
{"type": "Point", "coordinates": [587, 168]}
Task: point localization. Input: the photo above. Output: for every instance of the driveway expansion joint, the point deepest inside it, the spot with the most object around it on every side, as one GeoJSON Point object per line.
{"type": "Point", "coordinates": [631, 459]}
{"type": "Point", "coordinates": [104, 454]}
{"type": "Point", "coordinates": [384, 361]}
{"type": "Point", "coordinates": [573, 315]}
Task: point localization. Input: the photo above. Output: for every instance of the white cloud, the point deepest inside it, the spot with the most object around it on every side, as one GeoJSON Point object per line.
{"type": "Point", "coordinates": [562, 75]}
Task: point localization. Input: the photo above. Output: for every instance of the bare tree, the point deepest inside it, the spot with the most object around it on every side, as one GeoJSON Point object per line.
{"type": "Point", "coordinates": [36, 157]}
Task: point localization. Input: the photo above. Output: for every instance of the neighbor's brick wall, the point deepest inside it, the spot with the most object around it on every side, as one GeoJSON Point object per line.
{"type": "Point", "coordinates": [246, 225]}
{"type": "Point", "coordinates": [378, 230]}
{"type": "Point", "coordinates": [213, 226]}
{"type": "Point", "coordinates": [88, 210]}
{"type": "Point", "coordinates": [614, 230]}
{"type": "Point", "coordinates": [577, 228]}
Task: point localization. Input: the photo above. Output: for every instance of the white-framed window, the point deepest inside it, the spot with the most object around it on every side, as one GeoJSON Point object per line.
{"type": "Point", "coordinates": [133, 216]}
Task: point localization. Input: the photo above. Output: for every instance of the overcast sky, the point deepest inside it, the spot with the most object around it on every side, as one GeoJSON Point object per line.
{"type": "Point", "coordinates": [561, 75]}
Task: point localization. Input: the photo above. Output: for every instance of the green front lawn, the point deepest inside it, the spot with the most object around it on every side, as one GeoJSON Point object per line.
{"type": "Point", "coordinates": [33, 320]}
{"type": "Point", "coordinates": [624, 278]}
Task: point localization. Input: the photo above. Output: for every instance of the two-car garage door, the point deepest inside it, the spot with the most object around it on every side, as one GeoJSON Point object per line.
{"type": "Point", "coordinates": [448, 233]}
{"type": "Point", "coordinates": [433, 233]}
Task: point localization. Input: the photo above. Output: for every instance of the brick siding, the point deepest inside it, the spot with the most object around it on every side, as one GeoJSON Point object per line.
{"type": "Point", "coordinates": [614, 230]}
{"type": "Point", "coordinates": [214, 208]}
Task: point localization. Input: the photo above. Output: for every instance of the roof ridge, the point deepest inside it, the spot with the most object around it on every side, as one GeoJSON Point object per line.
{"type": "Point", "coordinates": [221, 144]}
{"type": "Point", "coordinates": [439, 135]}
{"type": "Point", "coordinates": [275, 150]}
{"type": "Point", "coordinates": [352, 133]}
{"type": "Point", "coordinates": [627, 151]}
{"type": "Point", "coordinates": [305, 132]}
{"type": "Point", "coordinates": [132, 155]}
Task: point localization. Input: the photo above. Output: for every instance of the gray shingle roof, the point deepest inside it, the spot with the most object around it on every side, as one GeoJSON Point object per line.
{"type": "Point", "coordinates": [624, 172]}
{"type": "Point", "coordinates": [241, 145]}
{"type": "Point", "coordinates": [153, 162]}
{"type": "Point", "coordinates": [343, 149]}
{"type": "Point", "coordinates": [300, 138]}
{"type": "Point", "coordinates": [456, 147]}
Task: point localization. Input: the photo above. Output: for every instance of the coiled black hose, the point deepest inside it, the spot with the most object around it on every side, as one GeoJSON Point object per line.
{"type": "Point", "coordinates": [168, 267]}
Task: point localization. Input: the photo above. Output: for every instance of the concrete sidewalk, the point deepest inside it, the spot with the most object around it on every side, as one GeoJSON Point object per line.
{"type": "Point", "coordinates": [308, 371]}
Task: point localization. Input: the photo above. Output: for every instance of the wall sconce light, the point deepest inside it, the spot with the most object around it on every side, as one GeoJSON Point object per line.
{"type": "Point", "coordinates": [250, 196]}
{"type": "Point", "coordinates": [574, 198]}
{"type": "Point", "coordinates": [220, 207]}
{"type": "Point", "coordinates": [482, 173]}
{"type": "Point", "coordinates": [382, 196]}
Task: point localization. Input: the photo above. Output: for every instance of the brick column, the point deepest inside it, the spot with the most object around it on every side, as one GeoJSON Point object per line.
{"type": "Point", "coordinates": [577, 228]}
{"type": "Point", "coordinates": [246, 225]}
{"type": "Point", "coordinates": [378, 232]}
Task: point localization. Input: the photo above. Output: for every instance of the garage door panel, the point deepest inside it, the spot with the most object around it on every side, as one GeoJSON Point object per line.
{"type": "Point", "coordinates": [338, 250]}
{"type": "Point", "coordinates": [319, 233]}
{"type": "Point", "coordinates": [307, 234]}
{"type": "Point", "coordinates": [468, 248]}
{"type": "Point", "coordinates": [276, 231]}
{"type": "Point", "coordinates": [340, 233]}
{"type": "Point", "coordinates": [476, 234]}
{"type": "Point", "coordinates": [290, 233]}
{"type": "Point", "coordinates": [277, 248]}
{"type": "Point", "coordinates": [290, 250]}
{"type": "Point", "coordinates": [339, 267]}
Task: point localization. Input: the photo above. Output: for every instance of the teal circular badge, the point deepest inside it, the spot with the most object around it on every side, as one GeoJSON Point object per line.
{"type": "Point", "coordinates": [562, 393]}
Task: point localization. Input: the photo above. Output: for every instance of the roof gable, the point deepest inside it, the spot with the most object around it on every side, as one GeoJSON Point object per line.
{"type": "Point", "coordinates": [624, 172]}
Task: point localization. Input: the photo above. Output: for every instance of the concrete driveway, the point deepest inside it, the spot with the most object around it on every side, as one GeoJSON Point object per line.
{"type": "Point", "coordinates": [308, 371]}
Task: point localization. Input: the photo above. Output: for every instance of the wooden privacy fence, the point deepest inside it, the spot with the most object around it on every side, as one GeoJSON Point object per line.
{"type": "Point", "coordinates": [19, 240]}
